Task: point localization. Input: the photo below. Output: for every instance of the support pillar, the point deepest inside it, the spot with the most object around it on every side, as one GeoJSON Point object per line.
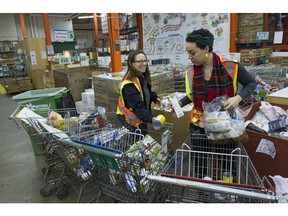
{"type": "Point", "coordinates": [114, 40]}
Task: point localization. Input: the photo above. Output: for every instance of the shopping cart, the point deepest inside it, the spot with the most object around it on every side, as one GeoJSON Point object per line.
{"type": "Point", "coordinates": [222, 177]}
{"type": "Point", "coordinates": [123, 159]}
{"type": "Point", "coordinates": [45, 139]}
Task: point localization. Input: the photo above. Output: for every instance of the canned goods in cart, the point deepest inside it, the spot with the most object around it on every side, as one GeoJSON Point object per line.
{"type": "Point", "coordinates": [227, 177]}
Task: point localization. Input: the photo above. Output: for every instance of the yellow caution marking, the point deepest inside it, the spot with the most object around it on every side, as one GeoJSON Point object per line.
{"type": "Point", "coordinates": [2, 89]}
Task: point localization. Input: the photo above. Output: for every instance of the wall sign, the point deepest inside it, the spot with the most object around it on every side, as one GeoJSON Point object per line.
{"type": "Point", "coordinates": [63, 35]}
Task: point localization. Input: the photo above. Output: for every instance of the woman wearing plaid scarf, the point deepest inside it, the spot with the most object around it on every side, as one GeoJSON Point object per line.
{"type": "Point", "coordinates": [211, 77]}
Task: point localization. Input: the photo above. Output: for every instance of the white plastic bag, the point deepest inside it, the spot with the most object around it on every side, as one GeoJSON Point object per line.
{"type": "Point", "coordinates": [281, 188]}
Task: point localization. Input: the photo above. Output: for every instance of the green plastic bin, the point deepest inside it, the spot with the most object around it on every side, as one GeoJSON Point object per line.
{"type": "Point", "coordinates": [49, 96]}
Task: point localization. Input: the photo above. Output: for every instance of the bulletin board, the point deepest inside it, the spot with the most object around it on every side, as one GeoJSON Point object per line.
{"type": "Point", "coordinates": [164, 33]}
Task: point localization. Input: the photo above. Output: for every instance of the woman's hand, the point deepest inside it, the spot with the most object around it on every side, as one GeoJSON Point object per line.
{"type": "Point", "coordinates": [158, 102]}
{"type": "Point", "coordinates": [232, 102]}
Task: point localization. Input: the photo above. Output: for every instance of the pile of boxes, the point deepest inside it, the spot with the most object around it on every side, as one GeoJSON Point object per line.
{"type": "Point", "coordinates": [280, 60]}
{"type": "Point", "coordinates": [248, 26]}
{"type": "Point", "coordinates": [163, 82]}
{"type": "Point", "coordinates": [106, 90]}
{"type": "Point", "coordinates": [17, 85]}
{"type": "Point", "coordinates": [77, 79]}
{"type": "Point", "coordinates": [255, 56]}
{"type": "Point", "coordinates": [34, 50]}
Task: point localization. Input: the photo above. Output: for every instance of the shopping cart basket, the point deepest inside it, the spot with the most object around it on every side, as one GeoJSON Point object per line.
{"type": "Point", "coordinates": [124, 158]}
{"type": "Point", "coordinates": [230, 177]}
{"type": "Point", "coordinates": [45, 138]}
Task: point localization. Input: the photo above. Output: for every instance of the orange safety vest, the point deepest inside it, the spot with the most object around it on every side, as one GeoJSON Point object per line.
{"type": "Point", "coordinates": [196, 115]}
{"type": "Point", "coordinates": [122, 109]}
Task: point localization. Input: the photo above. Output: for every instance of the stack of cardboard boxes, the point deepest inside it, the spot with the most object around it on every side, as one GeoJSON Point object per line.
{"type": "Point", "coordinates": [34, 50]}
{"type": "Point", "coordinates": [18, 85]}
{"type": "Point", "coordinates": [248, 26]}
{"type": "Point", "coordinates": [76, 79]}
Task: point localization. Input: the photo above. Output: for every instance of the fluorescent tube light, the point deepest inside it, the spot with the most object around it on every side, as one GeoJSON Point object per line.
{"type": "Point", "coordinates": [85, 17]}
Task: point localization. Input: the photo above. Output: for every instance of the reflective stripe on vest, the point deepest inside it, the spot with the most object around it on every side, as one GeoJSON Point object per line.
{"type": "Point", "coordinates": [122, 109]}
{"type": "Point", "coordinates": [231, 67]}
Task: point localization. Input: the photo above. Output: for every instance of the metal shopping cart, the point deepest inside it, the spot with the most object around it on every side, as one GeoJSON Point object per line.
{"type": "Point", "coordinates": [45, 139]}
{"type": "Point", "coordinates": [203, 173]}
{"type": "Point", "coordinates": [123, 159]}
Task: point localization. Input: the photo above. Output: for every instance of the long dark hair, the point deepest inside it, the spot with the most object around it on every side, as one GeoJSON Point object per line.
{"type": "Point", "coordinates": [131, 71]}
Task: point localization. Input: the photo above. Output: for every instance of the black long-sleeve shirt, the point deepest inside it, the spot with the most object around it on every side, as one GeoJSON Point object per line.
{"type": "Point", "coordinates": [244, 78]}
{"type": "Point", "coordinates": [132, 99]}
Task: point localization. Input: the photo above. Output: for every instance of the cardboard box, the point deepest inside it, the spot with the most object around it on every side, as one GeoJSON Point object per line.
{"type": "Point", "coordinates": [265, 164]}
{"type": "Point", "coordinates": [181, 126]}
{"type": "Point", "coordinates": [37, 78]}
{"type": "Point", "coordinates": [279, 97]}
{"type": "Point", "coordinates": [10, 89]}
{"type": "Point", "coordinates": [35, 53]}
{"type": "Point", "coordinates": [74, 78]}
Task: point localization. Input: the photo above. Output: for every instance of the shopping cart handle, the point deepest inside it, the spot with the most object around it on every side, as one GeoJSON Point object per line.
{"type": "Point", "coordinates": [15, 112]}
{"type": "Point", "coordinates": [212, 187]}
{"type": "Point", "coordinates": [95, 150]}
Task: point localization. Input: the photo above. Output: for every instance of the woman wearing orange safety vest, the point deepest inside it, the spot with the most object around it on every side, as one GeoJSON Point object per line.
{"type": "Point", "coordinates": [134, 103]}
{"type": "Point", "coordinates": [211, 77]}
{"type": "Point", "coordinates": [208, 78]}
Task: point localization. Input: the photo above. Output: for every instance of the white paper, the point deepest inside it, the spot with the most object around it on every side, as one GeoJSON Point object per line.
{"type": "Point", "coordinates": [278, 37]}
{"type": "Point", "coordinates": [55, 131]}
{"type": "Point", "coordinates": [26, 113]}
{"type": "Point", "coordinates": [33, 57]}
{"type": "Point", "coordinates": [50, 49]}
{"type": "Point", "coordinates": [43, 54]}
{"type": "Point", "coordinates": [266, 147]}
{"type": "Point", "coordinates": [263, 35]}
{"type": "Point", "coordinates": [51, 58]}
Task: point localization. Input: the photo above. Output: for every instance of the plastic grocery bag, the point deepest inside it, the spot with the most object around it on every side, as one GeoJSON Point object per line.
{"type": "Point", "coordinates": [224, 126]}
{"type": "Point", "coordinates": [281, 188]}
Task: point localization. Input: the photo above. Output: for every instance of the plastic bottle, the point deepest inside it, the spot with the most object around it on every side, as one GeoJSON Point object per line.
{"type": "Point", "coordinates": [130, 181]}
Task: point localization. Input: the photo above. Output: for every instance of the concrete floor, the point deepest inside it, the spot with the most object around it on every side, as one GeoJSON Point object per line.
{"type": "Point", "coordinates": [20, 169]}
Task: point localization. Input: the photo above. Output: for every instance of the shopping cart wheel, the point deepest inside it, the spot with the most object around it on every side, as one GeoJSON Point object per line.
{"type": "Point", "coordinates": [62, 193]}
{"type": "Point", "coordinates": [46, 191]}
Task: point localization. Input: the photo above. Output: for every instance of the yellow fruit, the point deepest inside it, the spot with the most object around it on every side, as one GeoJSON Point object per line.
{"type": "Point", "coordinates": [60, 124]}
{"type": "Point", "coordinates": [54, 116]}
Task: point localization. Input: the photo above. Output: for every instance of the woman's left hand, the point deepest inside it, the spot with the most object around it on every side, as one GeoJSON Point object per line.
{"type": "Point", "coordinates": [232, 102]}
{"type": "Point", "coordinates": [158, 102]}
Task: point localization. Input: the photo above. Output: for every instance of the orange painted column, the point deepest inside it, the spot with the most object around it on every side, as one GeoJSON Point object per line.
{"type": "Point", "coordinates": [233, 31]}
{"type": "Point", "coordinates": [47, 32]}
{"type": "Point", "coordinates": [114, 40]}
{"type": "Point", "coordinates": [23, 27]}
{"type": "Point", "coordinates": [96, 30]}
{"type": "Point", "coordinates": [140, 31]}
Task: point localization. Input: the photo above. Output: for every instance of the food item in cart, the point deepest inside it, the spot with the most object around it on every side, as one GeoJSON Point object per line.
{"type": "Point", "coordinates": [130, 181]}
{"type": "Point", "coordinates": [54, 116]}
{"type": "Point", "coordinates": [60, 124]}
{"type": "Point", "coordinates": [218, 121]}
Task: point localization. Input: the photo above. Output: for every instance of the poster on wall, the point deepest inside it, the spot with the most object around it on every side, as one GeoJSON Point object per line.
{"type": "Point", "coordinates": [164, 33]}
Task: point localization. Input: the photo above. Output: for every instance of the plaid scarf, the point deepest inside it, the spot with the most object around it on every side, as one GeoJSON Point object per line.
{"type": "Point", "coordinates": [220, 83]}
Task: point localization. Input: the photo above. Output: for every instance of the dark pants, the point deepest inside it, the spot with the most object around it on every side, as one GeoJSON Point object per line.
{"type": "Point", "coordinates": [202, 157]}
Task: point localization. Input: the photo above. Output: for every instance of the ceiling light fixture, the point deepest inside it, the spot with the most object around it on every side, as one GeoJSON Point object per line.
{"type": "Point", "coordinates": [85, 17]}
